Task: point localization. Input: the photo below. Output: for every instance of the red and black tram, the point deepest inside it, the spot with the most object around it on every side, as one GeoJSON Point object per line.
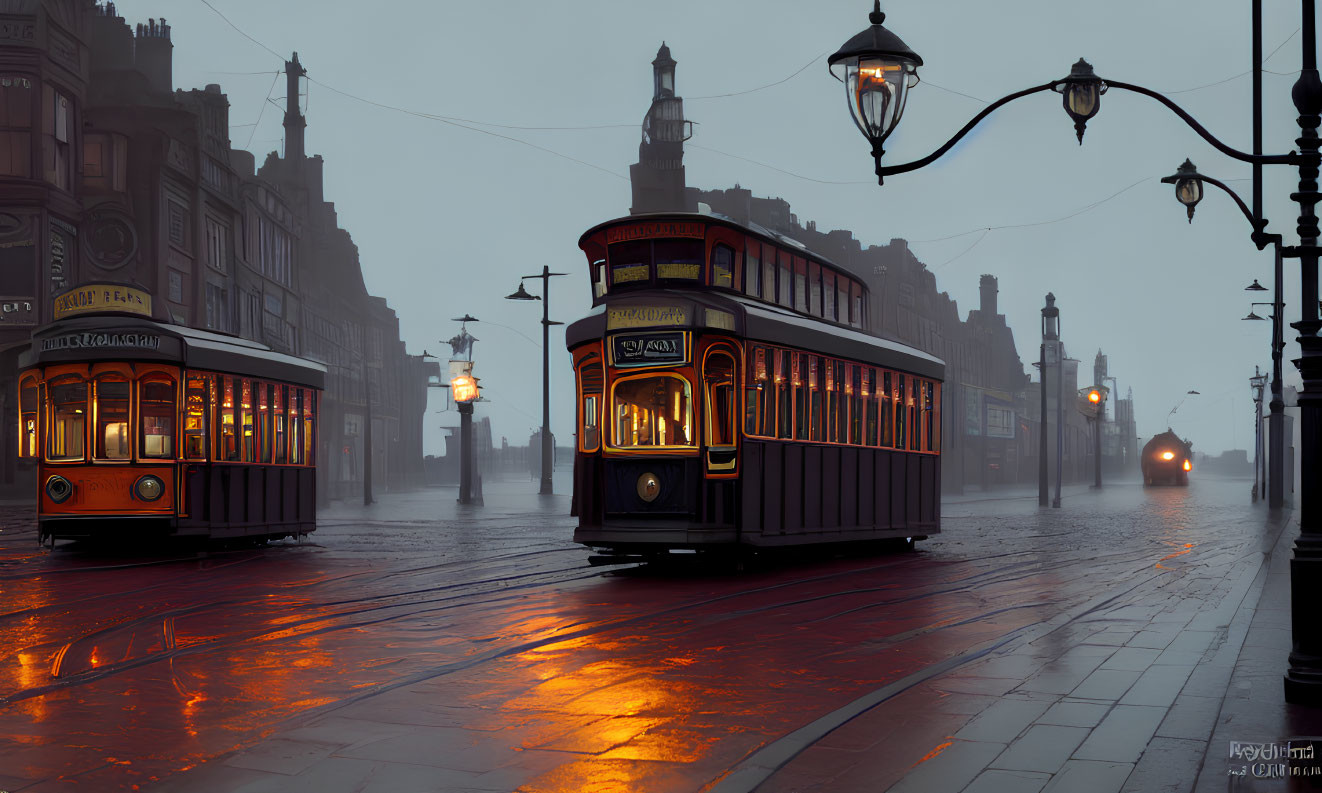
{"type": "Point", "coordinates": [729, 393]}
{"type": "Point", "coordinates": [148, 428]}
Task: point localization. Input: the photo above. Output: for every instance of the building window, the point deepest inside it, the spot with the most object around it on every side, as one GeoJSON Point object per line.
{"type": "Point", "coordinates": [218, 308]}
{"type": "Point", "coordinates": [15, 126]}
{"type": "Point", "coordinates": [59, 127]}
{"type": "Point", "coordinates": [217, 246]}
{"type": "Point", "coordinates": [177, 221]}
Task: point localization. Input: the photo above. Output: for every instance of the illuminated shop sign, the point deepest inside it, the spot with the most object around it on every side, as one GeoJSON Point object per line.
{"type": "Point", "coordinates": [647, 231]}
{"type": "Point", "coordinates": [645, 316]}
{"type": "Point", "coordinates": [645, 349]}
{"type": "Point", "coordinates": [102, 297]}
{"type": "Point", "coordinates": [93, 339]}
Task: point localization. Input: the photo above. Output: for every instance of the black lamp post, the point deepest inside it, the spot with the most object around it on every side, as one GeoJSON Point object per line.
{"type": "Point", "coordinates": [1256, 383]}
{"type": "Point", "coordinates": [888, 59]}
{"type": "Point", "coordinates": [1050, 335]}
{"type": "Point", "coordinates": [521, 294]}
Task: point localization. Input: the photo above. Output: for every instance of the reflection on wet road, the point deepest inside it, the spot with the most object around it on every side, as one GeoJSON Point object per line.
{"type": "Point", "coordinates": [484, 641]}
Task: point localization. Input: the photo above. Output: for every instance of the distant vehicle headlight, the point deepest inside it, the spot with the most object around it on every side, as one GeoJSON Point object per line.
{"type": "Point", "coordinates": [1168, 455]}
{"type": "Point", "coordinates": [149, 488]}
{"type": "Point", "coordinates": [59, 489]}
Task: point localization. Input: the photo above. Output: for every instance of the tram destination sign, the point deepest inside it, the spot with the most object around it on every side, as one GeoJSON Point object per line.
{"type": "Point", "coordinates": [647, 231]}
{"type": "Point", "coordinates": [645, 316]}
{"type": "Point", "coordinates": [645, 349]}
{"type": "Point", "coordinates": [99, 340]}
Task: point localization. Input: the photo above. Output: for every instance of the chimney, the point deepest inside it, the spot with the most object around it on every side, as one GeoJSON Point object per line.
{"type": "Point", "coordinates": [153, 56]}
{"type": "Point", "coordinates": [295, 124]}
{"type": "Point", "coordinates": [111, 41]}
{"type": "Point", "coordinates": [987, 291]}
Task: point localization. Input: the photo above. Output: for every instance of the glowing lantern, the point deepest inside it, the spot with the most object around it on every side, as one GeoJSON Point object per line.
{"type": "Point", "coordinates": [1188, 466]}
{"type": "Point", "coordinates": [464, 388]}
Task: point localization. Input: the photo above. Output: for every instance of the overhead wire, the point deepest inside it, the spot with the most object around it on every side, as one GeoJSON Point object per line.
{"type": "Point", "coordinates": [262, 112]}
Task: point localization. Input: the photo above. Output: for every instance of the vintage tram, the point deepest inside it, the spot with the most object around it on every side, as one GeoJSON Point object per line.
{"type": "Point", "coordinates": [1167, 460]}
{"type": "Point", "coordinates": [148, 428]}
{"type": "Point", "coordinates": [729, 394]}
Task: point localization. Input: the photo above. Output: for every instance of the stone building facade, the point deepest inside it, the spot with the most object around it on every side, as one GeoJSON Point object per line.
{"type": "Point", "coordinates": [109, 174]}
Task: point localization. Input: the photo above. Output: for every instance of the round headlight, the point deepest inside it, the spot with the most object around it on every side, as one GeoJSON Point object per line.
{"type": "Point", "coordinates": [149, 488]}
{"type": "Point", "coordinates": [649, 487]}
{"type": "Point", "coordinates": [59, 489]}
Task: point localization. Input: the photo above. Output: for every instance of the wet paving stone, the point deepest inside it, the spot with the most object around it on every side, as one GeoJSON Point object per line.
{"type": "Point", "coordinates": [1122, 735]}
{"type": "Point", "coordinates": [1042, 748]}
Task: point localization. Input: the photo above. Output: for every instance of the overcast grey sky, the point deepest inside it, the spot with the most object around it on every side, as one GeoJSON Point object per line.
{"type": "Point", "coordinates": [447, 218]}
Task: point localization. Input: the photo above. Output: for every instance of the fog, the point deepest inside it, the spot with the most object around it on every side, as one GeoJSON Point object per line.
{"type": "Point", "coordinates": [523, 119]}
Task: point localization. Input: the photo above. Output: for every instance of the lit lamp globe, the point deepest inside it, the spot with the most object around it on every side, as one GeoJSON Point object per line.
{"type": "Point", "coordinates": [1188, 186]}
{"type": "Point", "coordinates": [1081, 95]}
{"type": "Point", "coordinates": [877, 70]}
{"type": "Point", "coordinates": [464, 388]}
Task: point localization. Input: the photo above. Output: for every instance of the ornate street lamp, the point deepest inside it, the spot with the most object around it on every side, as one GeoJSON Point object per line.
{"type": "Point", "coordinates": [1081, 95]}
{"type": "Point", "coordinates": [1188, 186]}
{"type": "Point", "coordinates": [878, 70]}
{"type": "Point", "coordinates": [1255, 287]}
{"type": "Point", "coordinates": [547, 451]}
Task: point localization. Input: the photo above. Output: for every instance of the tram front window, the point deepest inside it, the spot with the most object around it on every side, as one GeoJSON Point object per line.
{"type": "Point", "coordinates": [69, 412]}
{"type": "Point", "coordinates": [156, 404]}
{"type": "Point", "coordinates": [653, 411]}
{"type": "Point", "coordinates": [112, 419]}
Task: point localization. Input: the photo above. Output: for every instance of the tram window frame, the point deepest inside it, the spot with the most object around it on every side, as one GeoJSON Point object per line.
{"type": "Point", "coordinates": [632, 254]}
{"type": "Point", "coordinates": [722, 266]}
{"type": "Point", "coordinates": [58, 430]}
{"type": "Point", "coordinates": [752, 268]}
{"type": "Point", "coordinates": [885, 421]}
{"type": "Point", "coordinates": [296, 456]}
{"type": "Point", "coordinates": [101, 449]}
{"type": "Point", "coordinates": [590, 404]}
{"type": "Point", "coordinates": [870, 406]}
{"type": "Point", "coordinates": [926, 414]}
{"type": "Point", "coordinates": [842, 299]}
{"type": "Point", "coordinates": [678, 261]}
{"type": "Point", "coordinates": [818, 391]}
{"type": "Point", "coordinates": [814, 289]}
{"type": "Point", "coordinates": [855, 304]}
{"type": "Point", "coordinates": [935, 444]}
{"type": "Point", "coordinates": [915, 427]}
{"type": "Point", "coordinates": [310, 427]}
{"type": "Point", "coordinates": [279, 410]}
{"type": "Point", "coordinates": [854, 391]}
{"type": "Point", "coordinates": [597, 270]}
{"type": "Point", "coordinates": [262, 421]}
{"type": "Point", "coordinates": [802, 380]}
{"type": "Point", "coordinates": [828, 294]}
{"type": "Point", "coordinates": [246, 423]}
{"type": "Point", "coordinates": [196, 424]}
{"type": "Point", "coordinates": [159, 409]}
{"type": "Point", "coordinates": [784, 403]}
{"type": "Point", "coordinates": [690, 437]}
{"type": "Point", "coordinates": [228, 447]}
{"type": "Point", "coordinates": [768, 273]}
{"type": "Point", "coordinates": [755, 380]}
{"type": "Point", "coordinates": [900, 417]}
{"type": "Point", "coordinates": [801, 285]}
{"type": "Point", "coordinates": [29, 417]}
{"type": "Point", "coordinates": [784, 285]}
{"type": "Point", "coordinates": [728, 397]}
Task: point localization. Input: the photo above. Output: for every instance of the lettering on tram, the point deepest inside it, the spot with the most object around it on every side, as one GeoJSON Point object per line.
{"type": "Point", "coordinates": [648, 349]}
{"type": "Point", "coordinates": [774, 418]}
{"type": "Point", "coordinates": [142, 427]}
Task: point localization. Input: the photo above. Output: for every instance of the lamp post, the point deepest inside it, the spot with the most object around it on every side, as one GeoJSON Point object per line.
{"type": "Point", "coordinates": [547, 444]}
{"type": "Point", "coordinates": [1115, 411]}
{"type": "Point", "coordinates": [1256, 383]}
{"type": "Point", "coordinates": [1050, 335]}
{"type": "Point", "coordinates": [877, 68]}
{"type": "Point", "coordinates": [1092, 403]}
{"type": "Point", "coordinates": [463, 387]}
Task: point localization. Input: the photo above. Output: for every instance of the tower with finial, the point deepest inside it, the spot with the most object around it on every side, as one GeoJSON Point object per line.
{"type": "Point", "coordinates": [658, 176]}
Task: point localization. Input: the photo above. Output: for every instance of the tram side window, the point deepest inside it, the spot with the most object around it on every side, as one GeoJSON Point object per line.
{"type": "Point", "coordinates": [653, 411]}
{"type": "Point", "coordinates": [814, 289]}
{"type": "Point", "coordinates": [112, 418]}
{"type": "Point", "coordinates": [901, 417]}
{"type": "Point", "coordinates": [869, 403]}
{"type": "Point", "coordinates": [278, 394]}
{"type": "Point", "coordinates": [246, 421]}
{"type": "Point", "coordinates": [915, 427]}
{"type": "Point", "coordinates": [929, 438]}
{"type": "Point", "coordinates": [855, 304]}
{"type": "Point", "coordinates": [818, 375]}
{"type": "Point", "coordinates": [801, 285]}
{"type": "Point", "coordinates": [752, 268]}
{"type": "Point", "coordinates": [784, 400]}
{"type": "Point", "coordinates": [721, 408]}
{"type": "Point", "coordinates": [229, 440]}
{"type": "Point", "coordinates": [785, 274]}
{"type": "Point", "coordinates": [156, 404]}
{"type": "Point", "coordinates": [802, 379]}
{"type": "Point", "coordinates": [842, 300]}
{"type": "Point", "coordinates": [310, 427]}
{"type": "Point", "coordinates": [722, 267]}
{"type": "Point", "coordinates": [590, 380]}
{"type": "Point", "coordinates": [678, 260]}
{"type": "Point", "coordinates": [28, 410]}
{"type": "Point", "coordinates": [64, 441]}
{"type": "Point", "coordinates": [631, 263]}
{"type": "Point", "coordinates": [195, 418]}
{"type": "Point", "coordinates": [828, 295]}
{"type": "Point", "coordinates": [598, 271]}
{"type": "Point", "coordinates": [854, 389]}
{"type": "Point", "coordinates": [886, 395]}
{"type": "Point", "coordinates": [295, 426]}
{"type": "Point", "coordinates": [768, 273]}
{"type": "Point", "coordinates": [263, 423]}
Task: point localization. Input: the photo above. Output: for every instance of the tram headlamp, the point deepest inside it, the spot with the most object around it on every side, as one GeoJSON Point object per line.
{"type": "Point", "coordinates": [1168, 455]}
{"type": "Point", "coordinates": [649, 487]}
{"type": "Point", "coordinates": [59, 489]}
{"type": "Point", "coordinates": [1188, 466]}
{"type": "Point", "coordinates": [149, 488]}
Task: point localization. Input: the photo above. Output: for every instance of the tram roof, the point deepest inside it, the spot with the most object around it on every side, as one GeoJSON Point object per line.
{"type": "Point", "coordinates": [716, 218]}
{"type": "Point", "coordinates": [122, 337]}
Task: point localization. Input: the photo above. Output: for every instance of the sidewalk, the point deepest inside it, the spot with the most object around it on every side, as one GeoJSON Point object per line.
{"type": "Point", "coordinates": [1150, 702]}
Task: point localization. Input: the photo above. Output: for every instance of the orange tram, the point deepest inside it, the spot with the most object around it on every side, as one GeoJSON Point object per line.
{"type": "Point", "coordinates": [150, 428]}
{"type": "Point", "coordinates": [730, 394]}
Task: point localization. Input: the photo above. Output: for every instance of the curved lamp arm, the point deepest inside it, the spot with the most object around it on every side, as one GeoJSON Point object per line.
{"type": "Point", "coordinates": [1293, 158]}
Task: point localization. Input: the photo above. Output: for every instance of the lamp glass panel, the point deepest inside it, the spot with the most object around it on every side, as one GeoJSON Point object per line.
{"type": "Point", "coordinates": [876, 89]}
{"type": "Point", "coordinates": [1082, 99]}
{"type": "Point", "coordinates": [1189, 191]}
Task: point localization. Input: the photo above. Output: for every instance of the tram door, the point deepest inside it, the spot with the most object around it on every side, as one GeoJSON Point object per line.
{"type": "Point", "coordinates": [720, 391]}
